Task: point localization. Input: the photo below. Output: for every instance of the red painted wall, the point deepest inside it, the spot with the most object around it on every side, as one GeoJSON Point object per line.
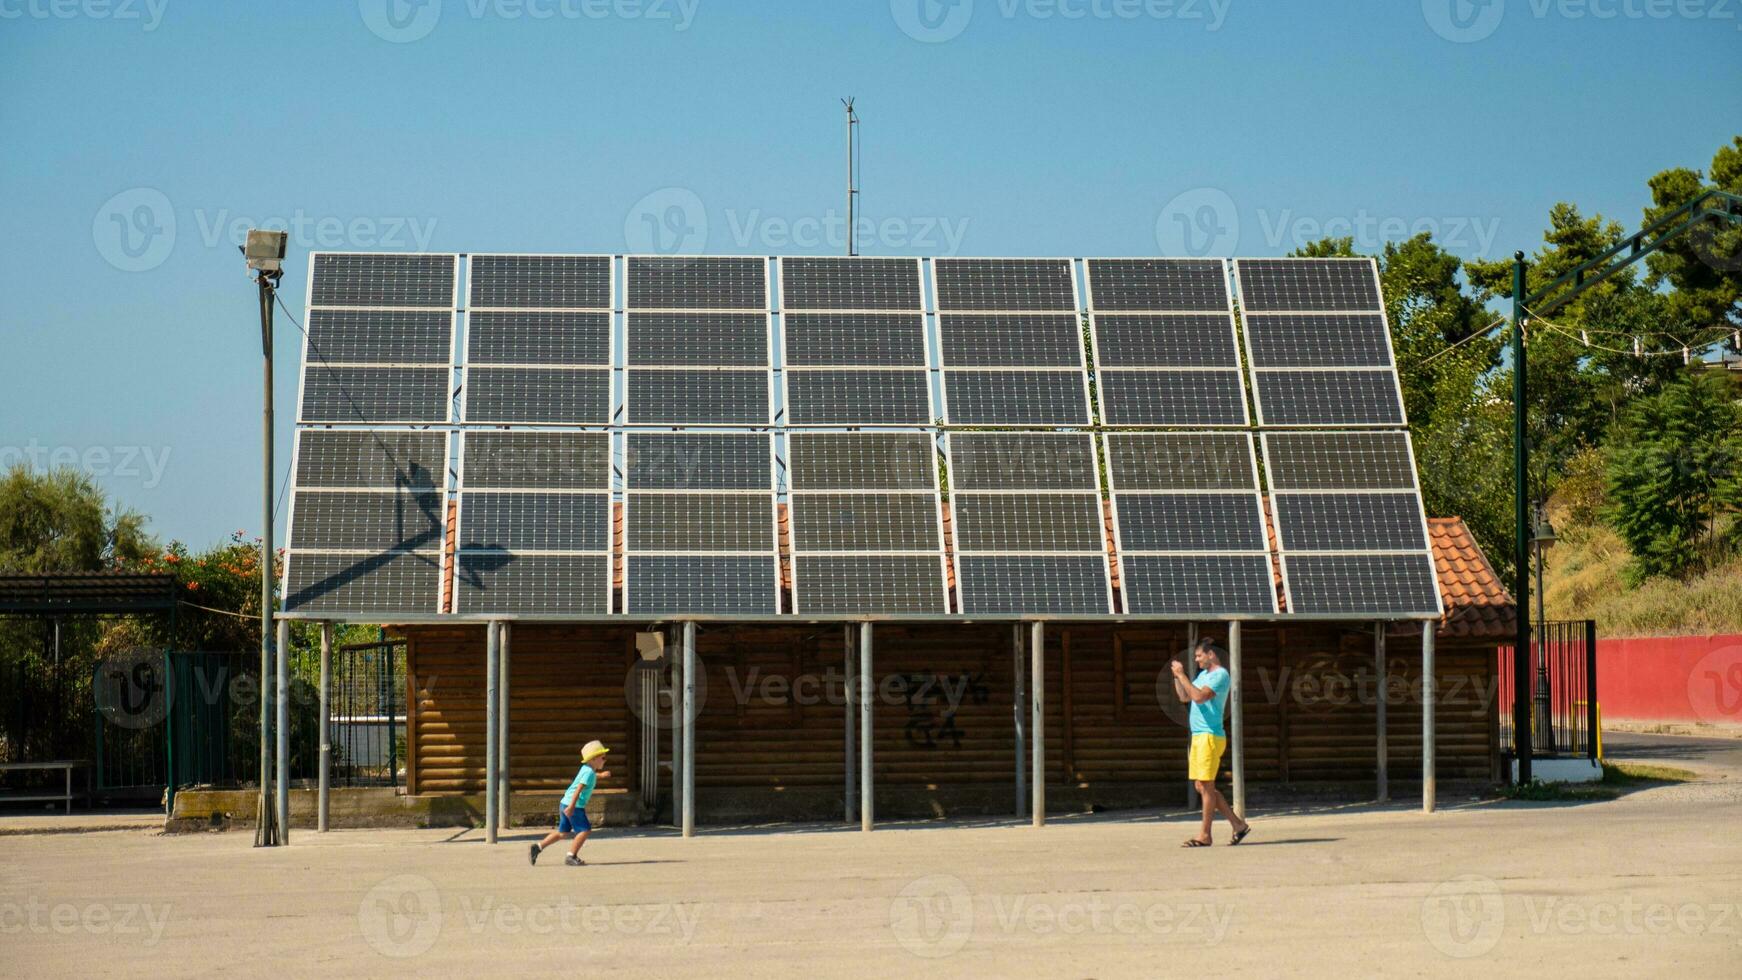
{"type": "Point", "coordinates": [1671, 678]}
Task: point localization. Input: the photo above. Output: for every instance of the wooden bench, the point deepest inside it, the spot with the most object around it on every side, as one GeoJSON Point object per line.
{"type": "Point", "coordinates": [67, 764]}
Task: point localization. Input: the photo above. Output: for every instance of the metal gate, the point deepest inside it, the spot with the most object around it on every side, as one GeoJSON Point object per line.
{"type": "Point", "coordinates": [1563, 690]}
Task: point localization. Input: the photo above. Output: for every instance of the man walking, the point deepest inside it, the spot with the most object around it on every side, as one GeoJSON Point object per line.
{"type": "Point", "coordinates": [1207, 693]}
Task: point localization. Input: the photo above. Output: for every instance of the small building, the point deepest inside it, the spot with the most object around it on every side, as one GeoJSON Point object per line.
{"type": "Point", "coordinates": [774, 740]}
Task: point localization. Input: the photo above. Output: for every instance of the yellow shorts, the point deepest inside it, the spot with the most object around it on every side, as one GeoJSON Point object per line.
{"type": "Point", "coordinates": [1206, 756]}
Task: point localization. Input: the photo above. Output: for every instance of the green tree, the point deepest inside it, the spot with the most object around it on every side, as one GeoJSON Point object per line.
{"type": "Point", "coordinates": [61, 522]}
{"type": "Point", "coordinates": [1672, 472]}
{"type": "Point", "coordinates": [1704, 267]}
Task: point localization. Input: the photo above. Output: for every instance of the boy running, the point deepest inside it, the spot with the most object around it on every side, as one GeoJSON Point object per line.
{"type": "Point", "coordinates": [1207, 694]}
{"type": "Point", "coordinates": [572, 813]}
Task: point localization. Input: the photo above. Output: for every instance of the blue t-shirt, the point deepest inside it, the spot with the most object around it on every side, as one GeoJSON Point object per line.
{"type": "Point", "coordinates": [1207, 715]}
{"type": "Point", "coordinates": [583, 785]}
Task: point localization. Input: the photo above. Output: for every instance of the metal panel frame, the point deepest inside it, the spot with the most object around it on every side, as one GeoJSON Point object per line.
{"type": "Point", "coordinates": [464, 354]}
{"type": "Point", "coordinates": [771, 492]}
{"type": "Point", "coordinates": [1094, 493]}
{"type": "Point", "coordinates": [785, 369]}
{"type": "Point", "coordinates": [1257, 493]}
{"type": "Point", "coordinates": [939, 312]}
{"type": "Point", "coordinates": [937, 514]}
{"type": "Point", "coordinates": [460, 505]}
{"type": "Point", "coordinates": [1253, 371]}
{"type": "Point", "coordinates": [1102, 368]}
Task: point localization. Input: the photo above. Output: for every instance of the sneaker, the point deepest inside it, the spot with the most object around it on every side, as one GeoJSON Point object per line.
{"type": "Point", "coordinates": [573, 862]}
{"type": "Point", "coordinates": [533, 857]}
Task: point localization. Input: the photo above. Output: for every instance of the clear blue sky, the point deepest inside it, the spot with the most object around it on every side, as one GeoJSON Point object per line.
{"type": "Point", "coordinates": [992, 127]}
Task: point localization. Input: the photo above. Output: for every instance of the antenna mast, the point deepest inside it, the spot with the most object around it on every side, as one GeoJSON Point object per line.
{"type": "Point", "coordinates": [852, 178]}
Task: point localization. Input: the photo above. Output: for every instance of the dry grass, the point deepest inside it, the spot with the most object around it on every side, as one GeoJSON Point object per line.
{"type": "Point", "coordinates": [1585, 582]}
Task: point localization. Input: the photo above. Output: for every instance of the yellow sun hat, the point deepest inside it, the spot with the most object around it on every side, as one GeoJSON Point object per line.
{"type": "Point", "coordinates": [592, 750]}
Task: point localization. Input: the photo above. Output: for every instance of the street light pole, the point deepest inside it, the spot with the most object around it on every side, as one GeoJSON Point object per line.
{"type": "Point", "coordinates": [1521, 742]}
{"type": "Point", "coordinates": [265, 254]}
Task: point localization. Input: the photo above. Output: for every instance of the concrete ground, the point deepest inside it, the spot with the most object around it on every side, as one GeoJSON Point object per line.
{"type": "Point", "coordinates": [1648, 882]}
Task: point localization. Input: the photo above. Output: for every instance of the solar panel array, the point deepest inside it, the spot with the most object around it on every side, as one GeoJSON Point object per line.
{"type": "Point", "coordinates": [1011, 342]}
{"type": "Point", "coordinates": [701, 434]}
{"type": "Point", "coordinates": [698, 341]}
{"type": "Point", "coordinates": [1189, 522]}
{"type": "Point", "coordinates": [1027, 513]}
{"type": "Point", "coordinates": [1166, 353]}
{"type": "Point", "coordinates": [853, 331]}
{"type": "Point", "coordinates": [700, 533]}
{"type": "Point", "coordinates": [867, 532]}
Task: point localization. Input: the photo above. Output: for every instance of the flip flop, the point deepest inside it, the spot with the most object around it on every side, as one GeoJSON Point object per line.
{"type": "Point", "coordinates": [1240, 835]}
{"type": "Point", "coordinates": [1194, 842]}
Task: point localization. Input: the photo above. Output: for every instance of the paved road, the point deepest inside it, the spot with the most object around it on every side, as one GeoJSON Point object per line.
{"type": "Point", "coordinates": [1687, 751]}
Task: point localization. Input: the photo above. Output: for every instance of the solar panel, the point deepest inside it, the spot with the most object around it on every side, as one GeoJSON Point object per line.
{"type": "Point", "coordinates": [1194, 398]}
{"type": "Point", "coordinates": [540, 282]}
{"type": "Point", "coordinates": [379, 458]}
{"type": "Point", "coordinates": [1011, 339]}
{"type": "Point", "coordinates": [849, 397]}
{"type": "Point", "coordinates": [1005, 285]}
{"type": "Point", "coordinates": [490, 583]}
{"type": "Point", "coordinates": [1200, 584]}
{"type": "Point", "coordinates": [1308, 285]}
{"type": "Point", "coordinates": [674, 282]}
{"type": "Point", "coordinates": [1027, 584]}
{"type": "Point", "coordinates": [699, 532]}
{"type": "Point", "coordinates": [1165, 346]}
{"type": "Point", "coordinates": [575, 396]}
{"type": "Point", "coordinates": [855, 283]}
{"type": "Point", "coordinates": [538, 337]}
{"type": "Point", "coordinates": [853, 342]}
{"type": "Point", "coordinates": [1350, 523]}
{"type": "Point", "coordinates": [381, 336]}
{"type": "Point", "coordinates": [1189, 523]}
{"type": "Point", "coordinates": [1391, 585]}
{"type": "Point", "coordinates": [1318, 343]}
{"type": "Point", "coordinates": [383, 280]}
{"type": "Point", "coordinates": [349, 395]}
{"type": "Point", "coordinates": [1312, 398]}
{"type": "Point", "coordinates": [1027, 514]}
{"type": "Point", "coordinates": [1016, 397]}
{"type": "Point", "coordinates": [350, 584]}
{"type": "Point", "coordinates": [534, 523]}
{"type": "Point", "coordinates": [1339, 461]}
{"type": "Point", "coordinates": [698, 339]}
{"type": "Point", "coordinates": [866, 529]}
{"type": "Point", "coordinates": [366, 521]}
{"type": "Point", "coordinates": [699, 396]}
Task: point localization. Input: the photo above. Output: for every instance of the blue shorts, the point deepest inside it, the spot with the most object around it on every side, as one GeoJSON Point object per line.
{"type": "Point", "coordinates": [577, 824]}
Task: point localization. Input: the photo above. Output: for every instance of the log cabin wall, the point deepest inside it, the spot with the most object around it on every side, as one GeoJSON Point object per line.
{"type": "Point", "coordinates": [771, 725]}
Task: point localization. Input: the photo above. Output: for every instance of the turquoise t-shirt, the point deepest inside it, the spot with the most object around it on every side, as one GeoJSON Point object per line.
{"type": "Point", "coordinates": [583, 785]}
{"type": "Point", "coordinates": [1207, 715]}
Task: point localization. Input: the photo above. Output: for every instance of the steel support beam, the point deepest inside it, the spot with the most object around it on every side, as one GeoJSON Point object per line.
{"type": "Point", "coordinates": [1237, 711]}
{"type": "Point", "coordinates": [1428, 694]}
{"type": "Point", "coordinates": [492, 688]}
{"type": "Point", "coordinates": [282, 708]}
{"type": "Point", "coordinates": [1037, 721]}
{"type": "Point", "coordinates": [849, 706]}
{"type": "Point", "coordinates": [689, 729]}
{"type": "Point", "coordinates": [867, 786]}
{"type": "Point", "coordinates": [503, 794]}
{"type": "Point", "coordinates": [1019, 711]}
{"type": "Point", "coordinates": [323, 804]}
{"type": "Point", "coordinates": [1382, 766]}
{"type": "Point", "coordinates": [1521, 747]}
